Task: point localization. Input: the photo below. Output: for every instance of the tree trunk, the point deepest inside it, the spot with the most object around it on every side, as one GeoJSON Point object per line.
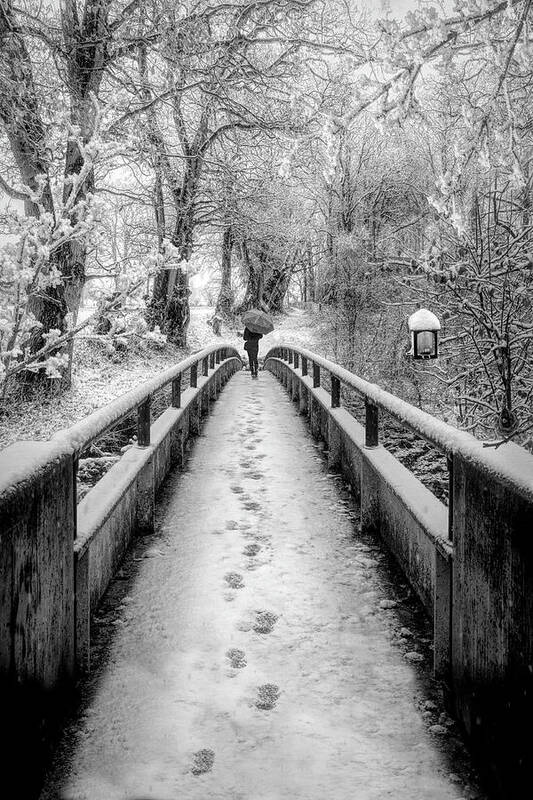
{"type": "Point", "coordinates": [310, 275]}
{"type": "Point", "coordinates": [169, 306]}
{"type": "Point", "coordinates": [177, 311]}
{"type": "Point", "coordinates": [276, 287]}
{"type": "Point", "coordinates": [253, 296]}
{"type": "Point", "coordinates": [19, 112]}
{"type": "Point", "coordinates": [225, 295]}
{"type": "Point", "coordinates": [266, 284]}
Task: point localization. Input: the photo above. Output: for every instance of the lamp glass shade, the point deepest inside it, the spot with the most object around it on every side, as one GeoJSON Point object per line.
{"type": "Point", "coordinates": [425, 344]}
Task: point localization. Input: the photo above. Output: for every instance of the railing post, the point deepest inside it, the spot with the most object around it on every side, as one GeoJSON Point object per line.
{"type": "Point", "coordinates": [371, 424]}
{"type": "Point", "coordinates": [82, 611]}
{"type": "Point", "coordinates": [213, 380]}
{"type": "Point", "coordinates": [75, 465]}
{"type": "Point", "coordinates": [335, 391]}
{"type": "Point", "coordinates": [442, 609]}
{"type": "Point", "coordinates": [176, 392]}
{"type": "Point", "coordinates": [205, 366]}
{"type": "Point", "coordinates": [143, 423]}
{"type": "Point", "coordinates": [304, 365]}
{"type": "Point", "coordinates": [296, 360]}
{"type": "Point", "coordinates": [442, 598]}
{"type": "Point", "coordinates": [194, 376]}
{"type": "Point", "coordinates": [303, 399]}
{"type": "Point", "coordinates": [289, 353]}
{"type": "Point", "coordinates": [449, 461]}
{"type": "Point", "coordinates": [316, 376]}
{"type": "Point", "coordinates": [295, 388]}
{"type": "Point", "coordinates": [217, 357]}
{"type": "Point", "coordinates": [204, 400]}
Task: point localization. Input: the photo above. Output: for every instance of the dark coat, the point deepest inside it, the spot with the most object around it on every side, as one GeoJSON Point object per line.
{"type": "Point", "coordinates": [251, 340]}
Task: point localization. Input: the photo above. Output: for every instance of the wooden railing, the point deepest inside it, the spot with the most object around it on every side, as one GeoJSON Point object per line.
{"type": "Point", "coordinates": [444, 437]}
{"type": "Point", "coordinates": [471, 562]}
{"type": "Point", "coordinates": [57, 556]}
{"type": "Point", "coordinates": [80, 435]}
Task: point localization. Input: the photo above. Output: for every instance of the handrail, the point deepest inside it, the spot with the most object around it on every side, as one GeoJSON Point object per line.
{"type": "Point", "coordinates": [513, 465]}
{"type": "Point", "coordinates": [82, 433]}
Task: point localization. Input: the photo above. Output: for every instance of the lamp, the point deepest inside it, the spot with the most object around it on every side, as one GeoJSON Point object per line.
{"type": "Point", "coordinates": [424, 327]}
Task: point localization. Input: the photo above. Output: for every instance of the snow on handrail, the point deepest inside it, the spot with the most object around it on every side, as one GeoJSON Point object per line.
{"type": "Point", "coordinates": [87, 430]}
{"type": "Point", "coordinates": [509, 463]}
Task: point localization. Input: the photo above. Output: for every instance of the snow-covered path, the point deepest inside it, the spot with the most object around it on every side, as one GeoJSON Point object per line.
{"type": "Point", "coordinates": [254, 656]}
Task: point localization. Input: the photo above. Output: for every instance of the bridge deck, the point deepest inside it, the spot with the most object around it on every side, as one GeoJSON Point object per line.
{"type": "Point", "coordinates": [252, 658]}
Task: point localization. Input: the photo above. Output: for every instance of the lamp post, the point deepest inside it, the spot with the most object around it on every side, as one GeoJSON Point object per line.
{"type": "Point", "coordinates": [424, 328]}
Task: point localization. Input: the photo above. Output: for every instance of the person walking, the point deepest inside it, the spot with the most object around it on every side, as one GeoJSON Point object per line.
{"type": "Point", "coordinates": [257, 324]}
{"type": "Point", "coordinates": [251, 345]}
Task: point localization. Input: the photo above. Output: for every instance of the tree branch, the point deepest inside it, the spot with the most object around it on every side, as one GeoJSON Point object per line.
{"type": "Point", "coordinates": [15, 194]}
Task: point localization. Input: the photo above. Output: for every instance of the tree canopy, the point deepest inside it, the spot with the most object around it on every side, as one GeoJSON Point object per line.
{"type": "Point", "coordinates": [304, 148]}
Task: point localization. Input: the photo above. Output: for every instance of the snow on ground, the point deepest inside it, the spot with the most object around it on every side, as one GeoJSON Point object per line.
{"type": "Point", "coordinates": [99, 377]}
{"type": "Point", "coordinates": [260, 649]}
{"type": "Point", "coordinates": [297, 326]}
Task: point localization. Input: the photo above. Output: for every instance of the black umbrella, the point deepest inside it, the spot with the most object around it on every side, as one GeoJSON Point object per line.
{"type": "Point", "coordinates": [257, 321]}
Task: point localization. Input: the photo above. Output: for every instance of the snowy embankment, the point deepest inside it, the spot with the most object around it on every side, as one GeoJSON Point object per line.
{"type": "Point", "coordinates": [99, 376]}
{"type": "Point", "coordinates": [297, 326]}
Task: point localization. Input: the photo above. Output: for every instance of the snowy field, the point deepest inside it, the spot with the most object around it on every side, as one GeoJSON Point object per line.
{"type": "Point", "coordinates": [100, 377]}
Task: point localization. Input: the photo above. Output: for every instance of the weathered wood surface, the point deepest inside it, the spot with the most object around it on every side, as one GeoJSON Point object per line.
{"type": "Point", "coordinates": [492, 624]}
{"type": "Point", "coordinates": [37, 525]}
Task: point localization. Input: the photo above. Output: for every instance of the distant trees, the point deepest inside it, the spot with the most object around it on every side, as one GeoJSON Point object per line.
{"type": "Point", "coordinates": [223, 73]}
{"type": "Point", "coordinates": [78, 77]}
{"type": "Point", "coordinates": [136, 134]}
{"type": "Point", "coordinates": [262, 239]}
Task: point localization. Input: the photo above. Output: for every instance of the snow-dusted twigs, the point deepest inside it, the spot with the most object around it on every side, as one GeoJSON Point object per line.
{"type": "Point", "coordinates": [38, 360]}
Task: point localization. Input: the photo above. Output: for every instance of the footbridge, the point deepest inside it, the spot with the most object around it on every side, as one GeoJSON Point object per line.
{"type": "Point", "coordinates": [219, 617]}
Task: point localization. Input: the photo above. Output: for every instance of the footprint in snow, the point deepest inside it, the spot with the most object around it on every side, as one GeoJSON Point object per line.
{"type": "Point", "coordinates": [251, 550]}
{"type": "Point", "coordinates": [267, 696]}
{"type": "Point", "coordinates": [234, 580]}
{"type": "Point", "coordinates": [254, 476]}
{"type": "Point", "coordinates": [237, 658]}
{"type": "Point", "coordinates": [203, 762]}
{"type": "Point", "coordinates": [252, 505]}
{"type": "Point", "coordinates": [264, 622]}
